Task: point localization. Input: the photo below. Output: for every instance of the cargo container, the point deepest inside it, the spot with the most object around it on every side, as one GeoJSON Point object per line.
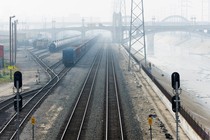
{"type": "Point", "coordinates": [1, 63]}
{"type": "Point", "coordinates": [1, 56]}
{"type": "Point", "coordinates": [1, 51]}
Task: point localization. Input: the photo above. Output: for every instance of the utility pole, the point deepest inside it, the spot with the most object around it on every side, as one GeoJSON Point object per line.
{"type": "Point", "coordinates": [208, 10]}
{"type": "Point", "coordinates": [53, 27]}
{"type": "Point", "coordinates": [15, 38]}
{"type": "Point", "coordinates": [83, 29]}
{"type": "Point", "coordinates": [202, 12]}
{"type": "Point", "coordinates": [10, 44]}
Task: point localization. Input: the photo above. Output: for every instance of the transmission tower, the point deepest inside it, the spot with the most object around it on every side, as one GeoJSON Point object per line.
{"type": "Point", "coordinates": [119, 20]}
{"type": "Point", "coordinates": [137, 45]}
{"type": "Point", "coordinates": [185, 5]}
{"type": "Point", "coordinates": [208, 10]}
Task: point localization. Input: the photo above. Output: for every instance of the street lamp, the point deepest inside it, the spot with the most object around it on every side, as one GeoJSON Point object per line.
{"type": "Point", "coordinates": [15, 45]}
{"type": "Point", "coordinates": [10, 47]}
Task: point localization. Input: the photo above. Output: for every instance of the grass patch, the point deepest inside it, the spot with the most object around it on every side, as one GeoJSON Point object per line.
{"type": "Point", "coordinates": [5, 74]}
{"type": "Point", "coordinates": [4, 77]}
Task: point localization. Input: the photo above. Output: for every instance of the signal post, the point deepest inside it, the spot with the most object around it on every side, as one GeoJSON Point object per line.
{"type": "Point", "coordinates": [33, 122]}
{"type": "Point", "coordinates": [150, 125]}
{"type": "Point", "coordinates": [175, 82]}
{"type": "Point", "coordinates": [18, 97]}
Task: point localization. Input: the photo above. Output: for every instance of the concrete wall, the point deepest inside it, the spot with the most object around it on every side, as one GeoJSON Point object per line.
{"type": "Point", "coordinates": [184, 125]}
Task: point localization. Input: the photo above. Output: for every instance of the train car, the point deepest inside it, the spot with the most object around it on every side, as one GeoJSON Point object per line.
{"type": "Point", "coordinates": [62, 43]}
{"type": "Point", "coordinates": [40, 43]}
{"type": "Point", "coordinates": [73, 54]}
{"type": "Point", "coordinates": [68, 57]}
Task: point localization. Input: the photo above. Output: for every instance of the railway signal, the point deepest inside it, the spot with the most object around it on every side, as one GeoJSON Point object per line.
{"type": "Point", "coordinates": [18, 98]}
{"type": "Point", "coordinates": [18, 102]}
{"type": "Point", "coordinates": [18, 84]}
{"type": "Point", "coordinates": [18, 79]}
{"type": "Point", "coordinates": [175, 82]}
{"type": "Point", "coordinates": [173, 102]}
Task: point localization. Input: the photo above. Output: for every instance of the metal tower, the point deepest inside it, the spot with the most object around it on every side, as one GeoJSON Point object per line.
{"type": "Point", "coordinates": [119, 20]}
{"type": "Point", "coordinates": [137, 45]}
{"type": "Point", "coordinates": [185, 5]}
{"type": "Point", "coordinates": [208, 10]}
{"type": "Point", "coordinates": [120, 7]}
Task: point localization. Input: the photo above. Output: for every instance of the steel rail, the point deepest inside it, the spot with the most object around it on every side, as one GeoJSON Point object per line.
{"type": "Point", "coordinates": [114, 128]}
{"type": "Point", "coordinates": [63, 72]}
{"type": "Point", "coordinates": [85, 91]}
{"type": "Point", "coordinates": [55, 78]}
{"type": "Point", "coordinates": [8, 102]}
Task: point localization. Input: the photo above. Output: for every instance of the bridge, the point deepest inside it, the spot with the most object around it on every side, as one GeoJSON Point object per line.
{"type": "Point", "coordinates": [117, 28]}
{"type": "Point", "coordinates": [171, 23]}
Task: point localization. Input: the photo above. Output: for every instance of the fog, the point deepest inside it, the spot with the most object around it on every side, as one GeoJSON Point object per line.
{"type": "Point", "coordinates": [52, 14]}
{"type": "Point", "coordinates": [40, 10]}
{"type": "Point", "coordinates": [186, 8]}
{"type": "Point", "coordinates": [101, 10]}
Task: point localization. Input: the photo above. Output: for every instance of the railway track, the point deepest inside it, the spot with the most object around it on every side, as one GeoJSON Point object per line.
{"type": "Point", "coordinates": [113, 126]}
{"type": "Point", "coordinates": [9, 102]}
{"type": "Point", "coordinates": [41, 52]}
{"type": "Point", "coordinates": [9, 131]}
{"type": "Point", "coordinates": [74, 127]}
{"type": "Point", "coordinates": [76, 118]}
{"type": "Point", "coordinates": [43, 65]}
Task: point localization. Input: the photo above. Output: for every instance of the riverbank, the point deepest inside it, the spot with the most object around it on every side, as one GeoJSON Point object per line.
{"type": "Point", "coordinates": [188, 55]}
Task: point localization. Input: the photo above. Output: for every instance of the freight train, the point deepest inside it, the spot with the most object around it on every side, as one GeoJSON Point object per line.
{"type": "Point", "coordinates": [62, 43]}
{"type": "Point", "coordinates": [73, 54]}
{"type": "Point", "coordinates": [40, 43]}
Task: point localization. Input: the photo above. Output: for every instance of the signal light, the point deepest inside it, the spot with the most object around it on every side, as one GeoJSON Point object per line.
{"type": "Point", "coordinates": [175, 80]}
{"type": "Point", "coordinates": [18, 79]}
{"type": "Point", "coordinates": [173, 102]}
{"type": "Point", "coordinates": [18, 99]}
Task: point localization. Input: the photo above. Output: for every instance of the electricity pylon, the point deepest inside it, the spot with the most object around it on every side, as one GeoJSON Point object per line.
{"type": "Point", "coordinates": [136, 38]}
{"type": "Point", "coordinates": [119, 20]}
{"type": "Point", "coordinates": [137, 45]}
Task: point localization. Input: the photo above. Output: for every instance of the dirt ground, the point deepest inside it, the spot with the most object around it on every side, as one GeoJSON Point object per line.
{"type": "Point", "coordinates": [31, 73]}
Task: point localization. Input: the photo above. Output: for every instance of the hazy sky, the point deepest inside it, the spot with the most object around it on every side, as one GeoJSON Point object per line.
{"type": "Point", "coordinates": [185, 8]}
{"type": "Point", "coordinates": [48, 9]}
{"type": "Point", "coordinates": [26, 10]}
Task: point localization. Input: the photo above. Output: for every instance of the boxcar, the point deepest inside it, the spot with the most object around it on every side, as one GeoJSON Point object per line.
{"type": "Point", "coordinates": [72, 55]}
{"type": "Point", "coordinates": [68, 57]}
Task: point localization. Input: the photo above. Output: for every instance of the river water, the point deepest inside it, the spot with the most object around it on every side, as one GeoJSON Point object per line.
{"type": "Point", "coordinates": [189, 55]}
